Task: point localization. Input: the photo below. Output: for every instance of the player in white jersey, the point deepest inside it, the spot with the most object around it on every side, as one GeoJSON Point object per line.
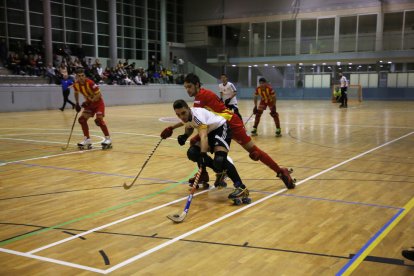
{"type": "Point", "coordinates": [215, 136]}
{"type": "Point", "coordinates": [344, 93]}
{"type": "Point", "coordinates": [228, 95]}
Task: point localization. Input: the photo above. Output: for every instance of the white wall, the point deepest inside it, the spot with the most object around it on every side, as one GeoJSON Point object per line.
{"type": "Point", "coordinates": [41, 97]}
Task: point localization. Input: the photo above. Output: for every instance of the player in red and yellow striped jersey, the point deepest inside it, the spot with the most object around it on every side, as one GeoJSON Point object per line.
{"type": "Point", "coordinates": [209, 100]}
{"type": "Point", "coordinates": [267, 99]}
{"type": "Point", "coordinates": [92, 105]}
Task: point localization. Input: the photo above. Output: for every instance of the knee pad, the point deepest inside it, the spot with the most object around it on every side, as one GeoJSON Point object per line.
{"type": "Point", "coordinates": [259, 112]}
{"type": "Point", "coordinates": [99, 122]}
{"type": "Point", "coordinates": [195, 140]}
{"type": "Point", "coordinates": [193, 153]}
{"type": "Point", "coordinates": [274, 114]}
{"type": "Point", "coordinates": [220, 158]}
{"type": "Point", "coordinates": [82, 120]}
{"type": "Point", "coordinates": [255, 154]}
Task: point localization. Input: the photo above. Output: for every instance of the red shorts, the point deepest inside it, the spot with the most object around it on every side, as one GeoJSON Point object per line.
{"type": "Point", "coordinates": [263, 105]}
{"type": "Point", "coordinates": [238, 132]}
{"type": "Point", "coordinates": [97, 108]}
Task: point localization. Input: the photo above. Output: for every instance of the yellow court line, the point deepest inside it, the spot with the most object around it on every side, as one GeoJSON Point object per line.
{"type": "Point", "coordinates": [380, 237]}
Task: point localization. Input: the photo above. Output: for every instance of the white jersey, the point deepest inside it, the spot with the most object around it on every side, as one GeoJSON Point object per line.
{"type": "Point", "coordinates": [201, 116]}
{"type": "Point", "coordinates": [344, 82]}
{"type": "Point", "coordinates": [228, 91]}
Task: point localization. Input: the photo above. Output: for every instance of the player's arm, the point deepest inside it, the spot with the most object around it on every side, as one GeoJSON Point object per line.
{"type": "Point", "coordinates": [202, 132]}
{"type": "Point", "coordinates": [273, 96]}
{"type": "Point", "coordinates": [234, 90]}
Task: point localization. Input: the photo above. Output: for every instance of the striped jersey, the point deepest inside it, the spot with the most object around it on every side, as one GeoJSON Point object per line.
{"type": "Point", "coordinates": [202, 118]}
{"type": "Point", "coordinates": [89, 89]}
{"type": "Point", "coordinates": [228, 89]}
{"type": "Point", "coordinates": [266, 93]}
{"type": "Point", "coordinates": [209, 100]}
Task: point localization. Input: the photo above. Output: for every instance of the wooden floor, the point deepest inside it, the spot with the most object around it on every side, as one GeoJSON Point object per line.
{"type": "Point", "coordinates": [66, 213]}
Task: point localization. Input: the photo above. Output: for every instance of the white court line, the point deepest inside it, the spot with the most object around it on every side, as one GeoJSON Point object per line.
{"type": "Point", "coordinates": [145, 253]}
{"type": "Point", "coordinates": [50, 260]}
{"type": "Point", "coordinates": [165, 244]}
{"type": "Point", "coordinates": [111, 223]}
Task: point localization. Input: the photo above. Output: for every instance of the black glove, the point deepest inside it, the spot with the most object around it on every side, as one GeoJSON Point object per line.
{"type": "Point", "coordinates": [85, 104]}
{"type": "Point", "coordinates": [202, 160]}
{"type": "Point", "coordinates": [166, 133]}
{"type": "Point", "coordinates": [78, 108]}
{"type": "Point", "coordinates": [221, 99]}
{"type": "Point", "coordinates": [255, 110]}
{"type": "Point", "coordinates": [182, 138]}
{"type": "Point", "coordinates": [227, 101]}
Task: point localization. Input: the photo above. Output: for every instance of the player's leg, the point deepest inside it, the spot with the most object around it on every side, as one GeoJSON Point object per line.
{"type": "Point", "coordinates": [275, 117]}
{"type": "Point", "coordinates": [100, 122]}
{"type": "Point", "coordinates": [260, 109]}
{"type": "Point", "coordinates": [193, 154]}
{"type": "Point", "coordinates": [83, 121]}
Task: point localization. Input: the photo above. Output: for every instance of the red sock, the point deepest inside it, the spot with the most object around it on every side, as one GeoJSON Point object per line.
{"type": "Point", "coordinates": [266, 159]}
{"type": "Point", "coordinates": [85, 127]}
{"type": "Point", "coordinates": [104, 129]}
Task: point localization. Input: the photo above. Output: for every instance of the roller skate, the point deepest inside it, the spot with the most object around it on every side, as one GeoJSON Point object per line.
{"type": "Point", "coordinates": [85, 144]}
{"type": "Point", "coordinates": [278, 132]}
{"type": "Point", "coordinates": [239, 196]}
{"type": "Point", "coordinates": [107, 143]}
{"type": "Point", "coordinates": [253, 132]}
{"type": "Point", "coordinates": [203, 180]}
{"type": "Point", "coordinates": [284, 174]}
{"type": "Point", "coordinates": [220, 183]}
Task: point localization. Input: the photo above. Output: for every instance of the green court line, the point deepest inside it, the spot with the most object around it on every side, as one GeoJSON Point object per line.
{"type": "Point", "coordinates": [98, 212]}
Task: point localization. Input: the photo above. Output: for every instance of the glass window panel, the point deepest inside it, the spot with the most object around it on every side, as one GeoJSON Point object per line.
{"type": "Point", "coordinates": [347, 34]}
{"type": "Point", "coordinates": [71, 11]}
{"type": "Point", "coordinates": [3, 30]}
{"type": "Point", "coordinates": [103, 17]}
{"type": "Point", "coordinates": [14, 16]}
{"type": "Point", "coordinates": [409, 31]}
{"type": "Point", "coordinates": [139, 54]}
{"type": "Point", "coordinates": [128, 53]}
{"type": "Point", "coordinates": [120, 53]}
{"type": "Point", "coordinates": [273, 38]}
{"type": "Point", "coordinates": [308, 37]}
{"type": "Point", "coordinates": [103, 28]}
{"type": "Point", "coordinates": [34, 5]}
{"type": "Point", "coordinates": [86, 14]}
{"type": "Point", "coordinates": [326, 32]}
{"type": "Point", "coordinates": [71, 37]}
{"type": "Point", "coordinates": [87, 26]}
{"type": "Point", "coordinates": [258, 39]}
{"type": "Point", "coordinates": [128, 21]}
{"type": "Point", "coordinates": [2, 17]}
{"type": "Point", "coordinates": [57, 22]}
{"type": "Point", "coordinates": [57, 9]}
{"type": "Point", "coordinates": [152, 35]}
{"type": "Point", "coordinates": [57, 35]}
{"type": "Point", "coordinates": [170, 18]}
{"type": "Point", "coordinates": [71, 24]}
{"type": "Point", "coordinates": [152, 14]}
{"type": "Point", "coordinates": [237, 39]}
{"type": "Point", "coordinates": [139, 22]}
{"type": "Point", "coordinates": [180, 38]}
{"type": "Point", "coordinates": [88, 51]}
{"type": "Point", "coordinates": [170, 37]}
{"type": "Point", "coordinates": [16, 4]}
{"type": "Point", "coordinates": [103, 52]}
{"type": "Point", "coordinates": [88, 4]}
{"type": "Point", "coordinates": [87, 39]}
{"type": "Point", "coordinates": [128, 10]}
{"type": "Point", "coordinates": [129, 43]}
{"type": "Point", "coordinates": [139, 33]}
{"type": "Point", "coordinates": [72, 2]}
{"type": "Point", "coordinates": [102, 5]}
{"type": "Point", "coordinates": [103, 40]}
{"type": "Point", "coordinates": [392, 31]}
{"type": "Point", "coordinates": [36, 32]}
{"type": "Point", "coordinates": [17, 31]}
{"type": "Point", "coordinates": [367, 28]}
{"type": "Point", "coordinates": [288, 37]}
{"type": "Point", "coordinates": [152, 25]}
{"type": "Point", "coordinates": [128, 32]}
{"type": "Point", "coordinates": [36, 19]}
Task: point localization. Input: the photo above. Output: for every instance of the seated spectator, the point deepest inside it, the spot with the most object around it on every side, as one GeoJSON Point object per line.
{"type": "Point", "coordinates": [51, 73]}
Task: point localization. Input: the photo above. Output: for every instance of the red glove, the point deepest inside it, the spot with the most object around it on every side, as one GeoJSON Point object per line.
{"type": "Point", "coordinates": [166, 132]}
{"type": "Point", "coordinates": [255, 110]}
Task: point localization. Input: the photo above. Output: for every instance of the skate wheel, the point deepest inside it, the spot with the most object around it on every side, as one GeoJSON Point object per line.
{"type": "Point", "coordinates": [247, 200]}
{"type": "Point", "coordinates": [237, 201]}
{"type": "Point", "coordinates": [290, 170]}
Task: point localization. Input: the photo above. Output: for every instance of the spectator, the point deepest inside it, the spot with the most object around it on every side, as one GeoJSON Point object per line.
{"type": "Point", "coordinates": [51, 73]}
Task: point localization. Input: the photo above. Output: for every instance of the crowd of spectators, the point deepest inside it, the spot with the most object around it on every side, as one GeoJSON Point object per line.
{"type": "Point", "coordinates": [124, 73]}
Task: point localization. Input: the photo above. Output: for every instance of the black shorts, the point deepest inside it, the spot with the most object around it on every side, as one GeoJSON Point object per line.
{"type": "Point", "coordinates": [220, 137]}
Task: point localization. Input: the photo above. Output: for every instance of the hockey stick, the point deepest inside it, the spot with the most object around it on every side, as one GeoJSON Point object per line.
{"type": "Point", "coordinates": [71, 131]}
{"type": "Point", "coordinates": [126, 187]}
{"type": "Point", "coordinates": [177, 218]}
{"type": "Point", "coordinates": [248, 119]}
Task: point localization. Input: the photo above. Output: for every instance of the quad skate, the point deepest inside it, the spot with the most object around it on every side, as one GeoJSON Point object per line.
{"type": "Point", "coordinates": [240, 196]}
{"type": "Point", "coordinates": [284, 174]}
{"type": "Point", "coordinates": [278, 132]}
{"type": "Point", "coordinates": [85, 144]}
{"type": "Point", "coordinates": [253, 132]}
{"type": "Point", "coordinates": [107, 143]}
{"type": "Point", "coordinates": [203, 180]}
{"type": "Point", "coordinates": [220, 182]}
